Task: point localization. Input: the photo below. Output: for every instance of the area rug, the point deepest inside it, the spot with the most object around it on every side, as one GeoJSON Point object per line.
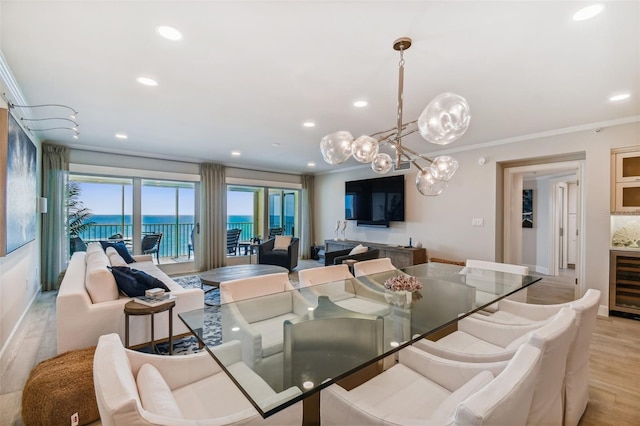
{"type": "Point", "coordinates": [212, 334]}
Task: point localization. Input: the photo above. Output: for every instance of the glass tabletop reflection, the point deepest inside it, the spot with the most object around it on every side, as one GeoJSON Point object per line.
{"type": "Point", "coordinates": [300, 341]}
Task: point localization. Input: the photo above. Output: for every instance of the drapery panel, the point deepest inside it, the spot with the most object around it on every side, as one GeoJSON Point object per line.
{"type": "Point", "coordinates": [54, 239]}
{"type": "Point", "coordinates": [307, 236]}
{"type": "Point", "coordinates": [213, 217]}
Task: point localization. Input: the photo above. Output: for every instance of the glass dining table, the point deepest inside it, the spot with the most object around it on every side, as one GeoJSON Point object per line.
{"type": "Point", "coordinates": [301, 341]}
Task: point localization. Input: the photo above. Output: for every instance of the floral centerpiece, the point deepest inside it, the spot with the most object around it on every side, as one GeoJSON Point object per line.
{"type": "Point", "coordinates": [403, 283]}
{"type": "Point", "coordinates": [400, 290]}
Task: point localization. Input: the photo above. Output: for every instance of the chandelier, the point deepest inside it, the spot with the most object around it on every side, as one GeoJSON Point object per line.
{"type": "Point", "coordinates": [443, 121]}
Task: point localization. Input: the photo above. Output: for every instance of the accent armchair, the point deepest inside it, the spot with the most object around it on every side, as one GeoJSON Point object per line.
{"type": "Point", "coordinates": [339, 256]}
{"type": "Point", "coordinates": [270, 254]}
{"type": "Point", "coordinates": [134, 388]}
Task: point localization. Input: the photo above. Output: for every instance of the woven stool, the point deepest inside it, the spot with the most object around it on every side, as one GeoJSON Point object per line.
{"type": "Point", "coordinates": [58, 388]}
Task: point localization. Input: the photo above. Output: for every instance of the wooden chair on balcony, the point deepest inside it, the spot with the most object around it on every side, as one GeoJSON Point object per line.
{"type": "Point", "coordinates": [233, 238]}
{"type": "Point", "coordinates": [151, 244]}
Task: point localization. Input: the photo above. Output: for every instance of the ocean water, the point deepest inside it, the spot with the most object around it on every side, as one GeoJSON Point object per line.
{"type": "Point", "coordinates": [176, 236]}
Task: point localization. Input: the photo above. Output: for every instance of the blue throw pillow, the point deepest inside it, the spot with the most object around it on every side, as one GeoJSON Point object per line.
{"type": "Point", "coordinates": [133, 282]}
{"type": "Point", "coordinates": [120, 247]}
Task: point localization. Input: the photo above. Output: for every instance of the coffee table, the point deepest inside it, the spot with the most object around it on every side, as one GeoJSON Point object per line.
{"type": "Point", "coordinates": [216, 276]}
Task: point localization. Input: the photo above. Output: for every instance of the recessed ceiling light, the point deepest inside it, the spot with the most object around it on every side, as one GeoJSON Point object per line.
{"type": "Point", "coordinates": [235, 153]}
{"type": "Point", "coordinates": [309, 124]}
{"type": "Point", "coordinates": [147, 81]}
{"type": "Point", "coordinates": [311, 164]}
{"type": "Point", "coordinates": [588, 12]}
{"type": "Point", "coordinates": [275, 144]}
{"type": "Point", "coordinates": [620, 97]}
{"type": "Point", "coordinates": [360, 104]}
{"type": "Point", "coordinates": [169, 33]}
{"type": "Point", "coordinates": [121, 136]}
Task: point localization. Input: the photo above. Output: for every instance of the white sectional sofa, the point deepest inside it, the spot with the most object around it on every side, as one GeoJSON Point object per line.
{"type": "Point", "coordinates": [80, 321]}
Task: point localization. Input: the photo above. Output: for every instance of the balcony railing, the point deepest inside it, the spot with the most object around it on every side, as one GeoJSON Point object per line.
{"type": "Point", "coordinates": [175, 238]}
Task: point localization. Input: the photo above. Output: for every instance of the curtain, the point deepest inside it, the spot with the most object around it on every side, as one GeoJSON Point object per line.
{"type": "Point", "coordinates": [54, 240]}
{"type": "Point", "coordinates": [307, 237]}
{"type": "Point", "coordinates": [213, 217]}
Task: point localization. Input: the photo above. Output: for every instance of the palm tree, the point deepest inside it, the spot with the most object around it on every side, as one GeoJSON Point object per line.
{"type": "Point", "coordinates": [77, 214]}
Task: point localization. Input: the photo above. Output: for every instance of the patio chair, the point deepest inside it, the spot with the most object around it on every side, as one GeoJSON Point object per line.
{"type": "Point", "coordinates": [274, 231]}
{"type": "Point", "coordinates": [233, 238]}
{"type": "Point", "coordinates": [151, 244]}
{"type": "Point", "coordinates": [115, 237]}
{"type": "Point", "coordinates": [190, 247]}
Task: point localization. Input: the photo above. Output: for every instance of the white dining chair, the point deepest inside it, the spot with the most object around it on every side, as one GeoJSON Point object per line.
{"type": "Point", "coordinates": [247, 288]}
{"type": "Point", "coordinates": [374, 266]}
{"type": "Point", "coordinates": [338, 284]}
{"type": "Point", "coordinates": [554, 339]}
{"type": "Point", "coordinates": [423, 389]}
{"type": "Point", "coordinates": [471, 264]}
{"type": "Point", "coordinates": [577, 375]}
{"type": "Point", "coordinates": [134, 388]}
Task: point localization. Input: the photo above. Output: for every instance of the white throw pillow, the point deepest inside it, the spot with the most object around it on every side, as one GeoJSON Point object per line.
{"type": "Point", "coordinates": [99, 281]}
{"type": "Point", "coordinates": [358, 249]}
{"type": "Point", "coordinates": [155, 395]}
{"type": "Point", "coordinates": [282, 242]}
{"type": "Point", "coordinates": [114, 257]}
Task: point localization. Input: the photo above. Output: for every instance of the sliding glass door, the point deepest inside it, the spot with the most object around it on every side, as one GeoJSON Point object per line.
{"type": "Point", "coordinates": [127, 209]}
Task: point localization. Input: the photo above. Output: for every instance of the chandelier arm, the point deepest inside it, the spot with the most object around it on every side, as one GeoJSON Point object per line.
{"type": "Point", "coordinates": [400, 149]}
{"type": "Point", "coordinates": [393, 131]}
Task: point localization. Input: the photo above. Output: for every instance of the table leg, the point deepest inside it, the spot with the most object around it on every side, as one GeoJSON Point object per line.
{"type": "Point", "coordinates": [126, 330]}
{"type": "Point", "coordinates": [170, 331]}
{"type": "Point", "coordinates": [153, 345]}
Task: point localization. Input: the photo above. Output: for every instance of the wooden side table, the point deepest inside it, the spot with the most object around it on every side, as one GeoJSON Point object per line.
{"type": "Point", "coordinates": [134, 308]}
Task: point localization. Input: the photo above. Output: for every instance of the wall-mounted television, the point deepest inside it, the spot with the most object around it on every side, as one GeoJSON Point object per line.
{"type": "Point", "coordinates": [375, 202]}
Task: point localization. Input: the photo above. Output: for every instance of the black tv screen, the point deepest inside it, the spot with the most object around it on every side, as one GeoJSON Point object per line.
{"type": "Point", "coordinates": [375, 201]}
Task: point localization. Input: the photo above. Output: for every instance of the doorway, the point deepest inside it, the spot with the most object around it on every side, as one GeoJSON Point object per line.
{"type": "Point", "coordinates": [549, 243]}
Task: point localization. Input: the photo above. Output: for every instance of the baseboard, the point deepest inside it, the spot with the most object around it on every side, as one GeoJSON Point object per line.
{"type": "Point", "coordinates": [19, 322]}
{"type": "Point", "coordinates": [603, 311]}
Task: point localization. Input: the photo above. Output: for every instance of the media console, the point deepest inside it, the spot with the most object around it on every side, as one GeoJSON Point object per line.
{"type": "Point", "coordinates": [400, 256]}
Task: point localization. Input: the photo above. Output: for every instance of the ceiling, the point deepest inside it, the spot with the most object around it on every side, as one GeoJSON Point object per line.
{"type": "Point", "coordinates": [246, 75]}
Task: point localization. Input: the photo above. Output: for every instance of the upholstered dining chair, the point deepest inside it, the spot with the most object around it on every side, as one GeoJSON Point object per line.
{"type": "Point", "coordinates": [483, 345]}
{"type": "Point", "coordinates": [520, 296]}
{"type": "Point", "coordinates": [342, 290]}
{"type": "Point", "coordinates": [373, 266]}
{"type": "Point", "coordinates": [134, 388]}
{"type": "Point", "coordinates": [426, 390]}
{"type": "Point", "coordinates": [577, 375]}
{"type": "Point", "coordinates": [151, 244]}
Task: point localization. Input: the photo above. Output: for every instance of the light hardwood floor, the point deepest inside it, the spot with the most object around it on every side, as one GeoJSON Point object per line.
{"type": "Point", "coordinates": [614, 395]}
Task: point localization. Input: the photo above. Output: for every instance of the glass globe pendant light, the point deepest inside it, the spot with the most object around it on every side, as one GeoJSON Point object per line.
{"type": "Point", "coordinates": [364, 149]}
{"type": "Point", "coordinates": [445, 119]}
{"type": "Point", "coordinates": [336, 147]}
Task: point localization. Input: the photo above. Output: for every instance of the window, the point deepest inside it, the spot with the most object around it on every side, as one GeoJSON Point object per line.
{"type": "Point", "coordinates": [256, 210]}
{"type": "Point", "coordinates": [163, 206]}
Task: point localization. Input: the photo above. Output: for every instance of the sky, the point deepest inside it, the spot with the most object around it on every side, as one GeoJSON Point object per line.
{"type": "Point", "coordinates": [106, 199]}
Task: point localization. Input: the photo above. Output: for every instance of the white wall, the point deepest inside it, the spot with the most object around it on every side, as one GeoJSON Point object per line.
{"type": "Point", "coordinates": [443, 224]}
{"type": "Point", "coordinates": [19, 273]}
